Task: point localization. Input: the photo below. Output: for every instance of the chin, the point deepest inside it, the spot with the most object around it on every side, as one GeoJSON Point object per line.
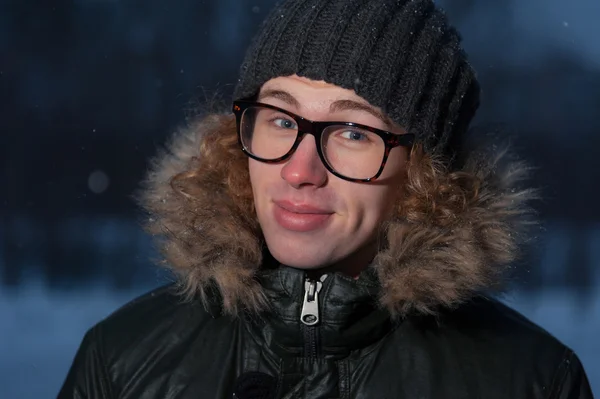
{"type": "Point", "coordinates": [298, 256]}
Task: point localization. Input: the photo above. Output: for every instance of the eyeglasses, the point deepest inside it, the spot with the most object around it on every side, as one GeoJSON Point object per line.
{"type": "Point", "coordinates": [350, 151]}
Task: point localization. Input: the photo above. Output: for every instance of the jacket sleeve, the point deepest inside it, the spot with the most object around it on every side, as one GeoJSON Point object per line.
{"type": "Point", "coordinates": [88, 376]}
{"type": "Point", "coordinates": [571, 381]}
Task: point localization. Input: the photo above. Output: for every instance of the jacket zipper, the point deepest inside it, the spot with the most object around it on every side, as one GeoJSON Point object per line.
{"type": "Point", "coordinates": [310, 315]}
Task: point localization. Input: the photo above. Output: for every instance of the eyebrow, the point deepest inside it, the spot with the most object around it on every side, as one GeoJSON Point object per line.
{"type": "Point", "coordinates": [351, 105]}
{"type": "Point", "coordinates": [279, 95]}
{"type": "Point", "coordinates": [336, 106]}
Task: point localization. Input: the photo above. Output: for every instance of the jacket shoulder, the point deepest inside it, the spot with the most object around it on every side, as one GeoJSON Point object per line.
{"type": "Point", "coordinates": [148, 310]}
{"type": "Point", "coordinates": [492, 318]}
{"type": "Point", "coordinates": [495, 337]}
{"type": "Point", "coordinates": [157, 319]}
{"type": "Point", "coordinates": [147, 313]}
{"type": "Point", "coordinates": [141, 337]}
{"type": "Point", "coordinates": [496, 327]}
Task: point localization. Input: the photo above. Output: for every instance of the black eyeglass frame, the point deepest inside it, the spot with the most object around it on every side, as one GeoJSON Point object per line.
{"type": "Point", "coordinates": [316, 128]}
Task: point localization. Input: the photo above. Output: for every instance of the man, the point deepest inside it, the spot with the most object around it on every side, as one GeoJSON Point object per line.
{"type": "Point", "coordinates": [345, 250]}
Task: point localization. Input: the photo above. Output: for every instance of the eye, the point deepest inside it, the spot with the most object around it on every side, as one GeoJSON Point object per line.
{"type": "Point", "coordinates": [285, 123]}
{"type": "Point", "coordinates": [354, 135]}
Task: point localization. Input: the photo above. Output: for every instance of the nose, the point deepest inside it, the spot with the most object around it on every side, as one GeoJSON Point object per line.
{"type": "Point", "coordinates": [304, 168]}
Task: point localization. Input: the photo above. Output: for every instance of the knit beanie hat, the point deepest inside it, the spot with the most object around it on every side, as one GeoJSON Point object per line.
{"type": "Point", "coordinates": [399, 55]}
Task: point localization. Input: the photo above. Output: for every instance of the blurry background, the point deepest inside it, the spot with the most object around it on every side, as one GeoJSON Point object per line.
{"type": "Point", "coordinates": [90, 89]}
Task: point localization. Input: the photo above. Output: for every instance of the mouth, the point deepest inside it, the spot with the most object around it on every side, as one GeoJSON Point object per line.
{"type": "Point", "coordinates": [302, 208]}
{"type": "Point", "coordinates": [301, 217]}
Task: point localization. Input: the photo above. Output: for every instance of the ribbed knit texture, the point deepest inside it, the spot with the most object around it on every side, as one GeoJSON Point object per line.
{"type": "Point", "coordinates": [399, 55]}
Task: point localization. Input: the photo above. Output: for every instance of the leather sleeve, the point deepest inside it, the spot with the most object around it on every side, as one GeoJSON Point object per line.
{"type": "Point", "coordinates": [571, 381]}
{"type": "Point", "coordinates": [88, 376]}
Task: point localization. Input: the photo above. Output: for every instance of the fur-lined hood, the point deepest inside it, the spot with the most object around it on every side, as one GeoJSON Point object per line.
{"type": "Point", "coordinates": [424, 265]}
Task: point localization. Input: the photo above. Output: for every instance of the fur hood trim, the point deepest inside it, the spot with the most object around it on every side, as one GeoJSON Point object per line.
{"type": "Point", "coordinates": [424, 265]}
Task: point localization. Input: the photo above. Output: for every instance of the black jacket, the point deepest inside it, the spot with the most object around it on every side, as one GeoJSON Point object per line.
{"type": "Point", "coordinates": [159, 346]}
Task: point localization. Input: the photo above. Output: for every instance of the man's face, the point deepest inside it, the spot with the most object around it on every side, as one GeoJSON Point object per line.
{"type": "Point", "coordinates": [309, 217]}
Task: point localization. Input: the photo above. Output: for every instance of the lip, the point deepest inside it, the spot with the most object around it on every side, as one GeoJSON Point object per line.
{"type": "Point", "coordinates": [300, 217]}
{"type": "Point", "coordinates": [302, 208]}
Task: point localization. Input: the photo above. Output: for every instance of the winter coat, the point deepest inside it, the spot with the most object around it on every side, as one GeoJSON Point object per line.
{"type": "Point", "coordinates": [416, 324]}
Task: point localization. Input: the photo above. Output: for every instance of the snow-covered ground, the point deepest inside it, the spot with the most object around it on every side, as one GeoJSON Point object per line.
{"type": "Point", "coordinates": [41, 329]}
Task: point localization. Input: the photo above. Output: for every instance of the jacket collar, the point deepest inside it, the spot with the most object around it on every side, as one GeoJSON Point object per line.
{"type": "Point", "coordinates": [344, 310]}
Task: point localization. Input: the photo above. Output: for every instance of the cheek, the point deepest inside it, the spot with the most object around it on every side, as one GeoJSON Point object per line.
{"type": "Point", "coordinates": [368, 205]}
{"type": "Point", "coordinates": [372, 204]}
{"type": "Point", "coordinates": [259, 174]}
{"type": "Point", "coordinates": [262, 177]}
{"type": "Point", "coordinates": [256, 182]}
{"type": "Point", "coordinates": [252, 171]}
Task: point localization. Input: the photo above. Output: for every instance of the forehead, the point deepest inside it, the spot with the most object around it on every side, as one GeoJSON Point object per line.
{"type": "Point", "coordinates": [303, 87]}
{"type": "Point", "coordinates": [320, 97]}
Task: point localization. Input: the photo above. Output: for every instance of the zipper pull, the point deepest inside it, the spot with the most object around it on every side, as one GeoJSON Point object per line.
{"type": "Point", "coordinates": [310, 306]}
